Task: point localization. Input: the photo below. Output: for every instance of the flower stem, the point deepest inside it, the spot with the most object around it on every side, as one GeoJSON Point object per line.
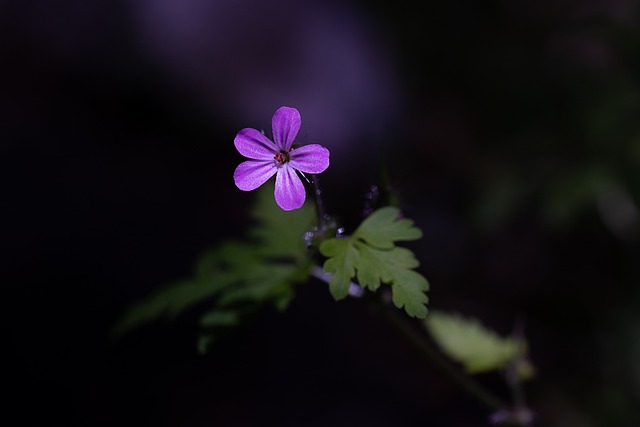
{"type": "Point", "coordinates": [317, 191]}
{"type": "Point", "coordinates": [512, 377]}
{"type": "Point", "coordinates": [470, 385]}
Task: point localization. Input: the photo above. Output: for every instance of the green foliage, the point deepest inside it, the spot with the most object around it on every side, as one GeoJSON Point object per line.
{"type": "Point", "coordinates": [342, 263]}
{"type": "Point", "coordinates": [279, 234]}
{"type": "Point", "coordinates": [384, 227]}
{"type": "Point", "coordinates": [465, 340]}
{"type": "Point", "coordinates": [371, 255]}
{"type": "Point", "coordinates": [239, 277]}
{"type": "Point", "coordinates": [573, 192]}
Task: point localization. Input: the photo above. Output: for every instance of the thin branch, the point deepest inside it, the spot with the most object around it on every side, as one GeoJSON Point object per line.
{"type": "Point", "coordinates": [317, 191]}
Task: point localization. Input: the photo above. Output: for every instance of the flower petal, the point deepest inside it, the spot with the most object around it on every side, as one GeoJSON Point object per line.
{"type": "Point", "coordinates": [254, 145]}
{"type": "Point", "coordinates": [285, 125]}
{"type": "Point", "coordinates": [313, 158]}
{"type": "Point", "coordinates": [252, 174]}
{"type": "Point", "coordinates": [289, 192]}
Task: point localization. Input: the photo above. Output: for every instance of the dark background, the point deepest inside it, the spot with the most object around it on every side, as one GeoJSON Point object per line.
{"type": "Point", "coordinates": [511, 131]}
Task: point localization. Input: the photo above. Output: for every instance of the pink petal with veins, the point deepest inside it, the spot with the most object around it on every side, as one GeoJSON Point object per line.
{"type": "Point", "coordinates": [252, 174]}
{"type": "Point", "coordinates": [313, 158]}
{"type": "Point", "coordinates": [285, 125]}
{"type": "Point", "coordinates": [289, 192]}
{"type": "Point", "coordinates": [254, 145]}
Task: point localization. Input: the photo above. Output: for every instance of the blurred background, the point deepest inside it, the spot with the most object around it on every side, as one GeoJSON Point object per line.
{"type": "Point", "coordinates": [511, 133]}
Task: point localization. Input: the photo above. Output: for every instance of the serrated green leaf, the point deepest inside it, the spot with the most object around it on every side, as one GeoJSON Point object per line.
{"type": "Point", "coordinates": [343, 258]}
{"type": "Point", "coordinates": [374, 258]}
{"type": "Point", "coordinates": [409, 292]}
{"type": "Point", "coordinates": [393, 267]}
{"type": "Point", "coordinates": [467, 341]}
{"type": "Point", "coordinates": [380, 265]}
{"type": "Point", "coordinates": [371, 270]}
{"type": "Point", "coordinates": [384, 227]}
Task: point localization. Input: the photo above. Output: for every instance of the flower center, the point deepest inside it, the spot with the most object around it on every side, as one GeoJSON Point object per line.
{"type": "Point", "coordinates": [282, 157]}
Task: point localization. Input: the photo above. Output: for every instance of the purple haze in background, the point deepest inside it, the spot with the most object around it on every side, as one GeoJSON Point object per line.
{"type": "Point", "coordinates": [278, 157]}
{"type": "Point", "coordinates": [248, 57]}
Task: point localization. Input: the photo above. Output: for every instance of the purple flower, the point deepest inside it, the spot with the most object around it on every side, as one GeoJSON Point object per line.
{"type": "Point", "coordinates": [279, 157]}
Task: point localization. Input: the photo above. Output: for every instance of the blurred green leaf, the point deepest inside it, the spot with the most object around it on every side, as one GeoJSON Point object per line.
{"type": "Point", "coordinates": [467, 341]}
{"type": "Point", "coordinates": [219, 318]}
{"type": "Point", "coordinates": [240, 276]}
{"type": "Point", "coordinates": [370, 253]}
{"type": "Point", "coordinates": [211, 276]}
{"type": "Point", "coordinates": [264, 282]}
{"type": "Point", "coordinates": [280, 233]}
{"type": "Point", "coordinates": [574, 192]}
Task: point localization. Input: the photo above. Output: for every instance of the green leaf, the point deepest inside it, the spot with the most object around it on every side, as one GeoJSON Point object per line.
{"type": "Point", "coordinates": [384, 227]}
{"type": "Point", "coordinates": [409, 292]}
{"type": "Point", "coordinates": [265, 282]}
{"type": "Point", "coordinates": [217, 318]}
{"type": "Point", "coordinates": [575, 192]}
{"type": "Point", "coordinates": [467, 341]}
{"type": "Point", "coordinates": [379, 265]}
{"type": "Point", "coordinates": [239, 276]}
{"type": "Point", "coordinates": [371, 255]}
{"type": "Point", "coordinates": [342, 263]}
{"type": "Point", "coordinates": [205, 342]}
{"type": "Point", "coordinates": [212, 276]}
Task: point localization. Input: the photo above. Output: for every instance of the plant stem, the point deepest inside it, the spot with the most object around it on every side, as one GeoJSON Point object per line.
{"type": "Point", "coordinates": [470, 385]}
{"type": "Point", "coordinates": [512, 377]}
{"type": "Point", "coordinates": [322, 215]}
